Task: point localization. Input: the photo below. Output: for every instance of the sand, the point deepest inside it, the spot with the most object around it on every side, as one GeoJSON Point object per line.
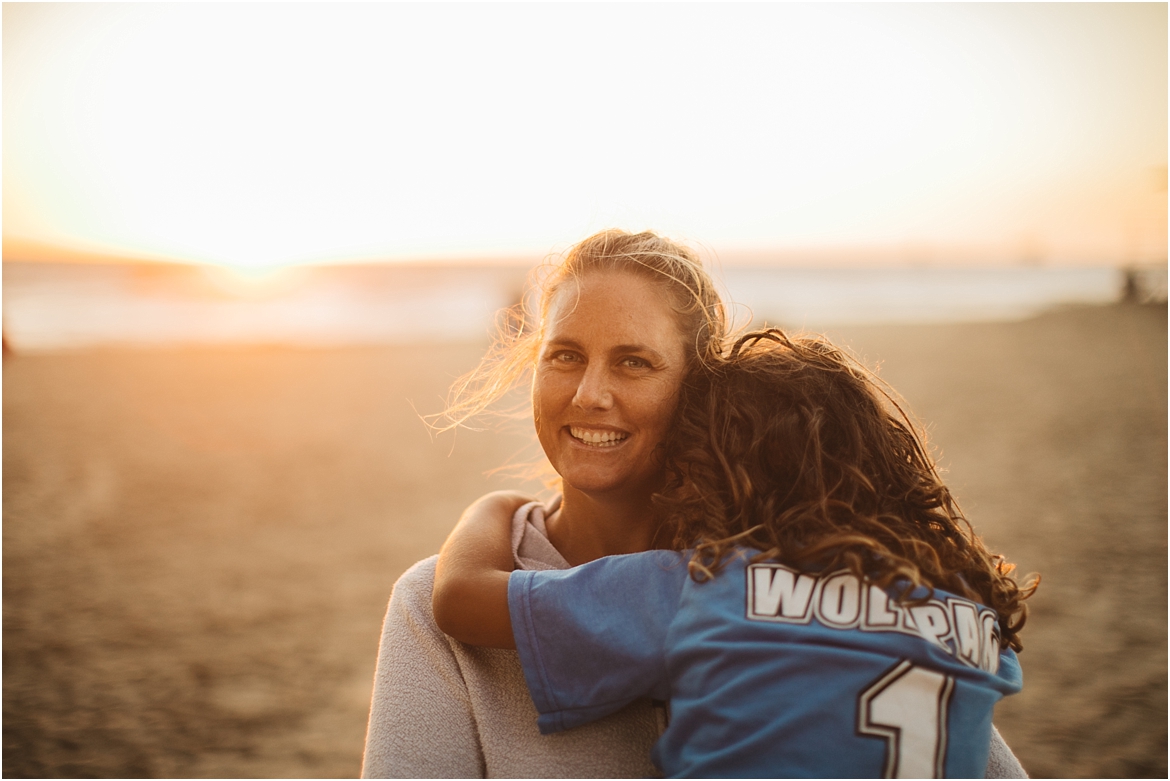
{"type": "Point", "coordinates": [199, 544]}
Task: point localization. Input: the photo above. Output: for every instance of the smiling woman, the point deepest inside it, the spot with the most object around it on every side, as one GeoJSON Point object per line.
{"type": "Point", "coordinates": [620, 324]}
{"type": "Point", "coordinates": [605, 389]}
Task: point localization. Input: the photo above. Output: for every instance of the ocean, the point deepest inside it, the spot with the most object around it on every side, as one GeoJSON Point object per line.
{"type": "Point", "coordinates": [50, 306]}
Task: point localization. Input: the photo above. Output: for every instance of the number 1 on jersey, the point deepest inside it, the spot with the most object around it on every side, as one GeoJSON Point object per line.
{"type": "Point", "coordinates": [908, 707]}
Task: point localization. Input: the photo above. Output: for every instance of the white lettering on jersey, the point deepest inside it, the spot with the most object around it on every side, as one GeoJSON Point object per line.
{"type": "Point", "coordinates": [989, 660]}
{"type": "Point", "coordinates": [839, 602]}
{"type": "Point", "coordinates": [964, 629]}
{"type": "Point", "coordinates": [932, 623]}
{"type": "Point", "coordinates": [777, 593]}
{"type": "Point", "coordinates": [967, 632]}
{"type": "Point", "coordinates": [880, 611]}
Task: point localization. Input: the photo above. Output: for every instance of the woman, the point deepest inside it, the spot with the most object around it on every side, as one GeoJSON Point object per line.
{"type": "Point", "coordinates": [622, 323]}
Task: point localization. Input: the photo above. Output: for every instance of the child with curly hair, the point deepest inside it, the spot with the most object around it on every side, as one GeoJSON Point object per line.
{"type": "Point", "coordinates": [825, 608]}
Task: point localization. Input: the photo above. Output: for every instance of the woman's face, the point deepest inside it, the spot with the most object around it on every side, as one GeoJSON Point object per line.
{"type": "Point", "coordinates": [606, 381]}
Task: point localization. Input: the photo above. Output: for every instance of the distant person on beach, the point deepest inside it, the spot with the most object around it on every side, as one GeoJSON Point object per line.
{"type": "Point", "coordinates": [624, 323]}
{"type": "Point", "coordinates": [831, 613]}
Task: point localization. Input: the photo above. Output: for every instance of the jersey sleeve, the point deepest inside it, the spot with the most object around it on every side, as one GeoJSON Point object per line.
{"type": "Point", "coordinates": [591, 639]}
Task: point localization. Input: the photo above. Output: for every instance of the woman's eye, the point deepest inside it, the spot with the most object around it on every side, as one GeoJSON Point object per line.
{"type": "Point", "coordinates": [565, 357]}
{"type": "Point", "coordinates": [636, 363]}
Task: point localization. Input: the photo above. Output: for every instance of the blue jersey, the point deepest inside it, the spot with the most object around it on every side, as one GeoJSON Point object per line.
{"type": "Point", "coordinates": [770, 672]}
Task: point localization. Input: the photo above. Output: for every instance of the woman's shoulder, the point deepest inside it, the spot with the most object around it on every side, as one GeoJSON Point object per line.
{"type": "Point", "coordinates": [419, 573]}
{"type": "Point", "coordinates": [412, 591]}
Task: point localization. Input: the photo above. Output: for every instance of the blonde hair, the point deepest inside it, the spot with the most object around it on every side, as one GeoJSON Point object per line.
{"type": "Point", "coordinates": [690, 289]}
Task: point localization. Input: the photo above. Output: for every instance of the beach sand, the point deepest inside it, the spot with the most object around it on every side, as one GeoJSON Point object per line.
{"type": "Point", "coordinates": [199, 544]}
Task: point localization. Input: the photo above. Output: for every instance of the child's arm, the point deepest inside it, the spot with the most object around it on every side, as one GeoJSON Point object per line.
{"type": "Point", "coordinates": [470, 600]}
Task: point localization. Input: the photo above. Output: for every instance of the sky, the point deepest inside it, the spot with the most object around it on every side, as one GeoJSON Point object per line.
{"type": "Point", "coordinates": [263, 135]}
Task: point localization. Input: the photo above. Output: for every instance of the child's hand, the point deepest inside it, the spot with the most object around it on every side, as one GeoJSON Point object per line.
{"type": "Point", "coordinates": [470, 600]}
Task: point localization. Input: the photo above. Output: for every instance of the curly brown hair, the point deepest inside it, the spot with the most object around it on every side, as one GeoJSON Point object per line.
{"type": "Point", "coordinates": [788, 446]}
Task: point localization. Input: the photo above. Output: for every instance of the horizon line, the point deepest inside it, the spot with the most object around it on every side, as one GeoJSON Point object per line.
{"type": "Point", "coordinates": [907, 253]}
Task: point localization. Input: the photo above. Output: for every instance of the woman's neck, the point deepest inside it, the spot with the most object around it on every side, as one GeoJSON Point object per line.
{"type": "Point", "coordinates": [587, 527]}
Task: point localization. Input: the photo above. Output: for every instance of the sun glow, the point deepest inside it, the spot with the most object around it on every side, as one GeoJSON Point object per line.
{"type": "Point", "coordinates": [262, 135]}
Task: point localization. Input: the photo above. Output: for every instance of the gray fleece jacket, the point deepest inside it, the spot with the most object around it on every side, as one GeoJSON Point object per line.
{"type": "Point", "coordinates": [442, 709]}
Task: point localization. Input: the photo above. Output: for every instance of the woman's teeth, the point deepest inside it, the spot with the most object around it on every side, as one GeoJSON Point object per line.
{"type": "Point", "coordinates": [597, 438]}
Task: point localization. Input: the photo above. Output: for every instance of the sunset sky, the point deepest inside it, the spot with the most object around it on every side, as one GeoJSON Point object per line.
{"type": "Point", "coordinates": [264, 135]}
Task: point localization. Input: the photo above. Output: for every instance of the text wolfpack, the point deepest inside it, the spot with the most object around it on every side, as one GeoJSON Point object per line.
{"type": "Point", "coordinates": [966, 630]}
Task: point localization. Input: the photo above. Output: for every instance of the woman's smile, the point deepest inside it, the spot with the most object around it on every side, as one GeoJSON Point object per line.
{"type": "Point", "coordinates": [597, 438]}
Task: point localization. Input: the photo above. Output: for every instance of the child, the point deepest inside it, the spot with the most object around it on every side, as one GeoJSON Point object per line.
{"type": "Point", "coordinates": [831, 612]}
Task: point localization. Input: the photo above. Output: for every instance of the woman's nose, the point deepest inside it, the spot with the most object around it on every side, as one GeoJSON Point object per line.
{"type": "Point", "coordinates": [593, 392]}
